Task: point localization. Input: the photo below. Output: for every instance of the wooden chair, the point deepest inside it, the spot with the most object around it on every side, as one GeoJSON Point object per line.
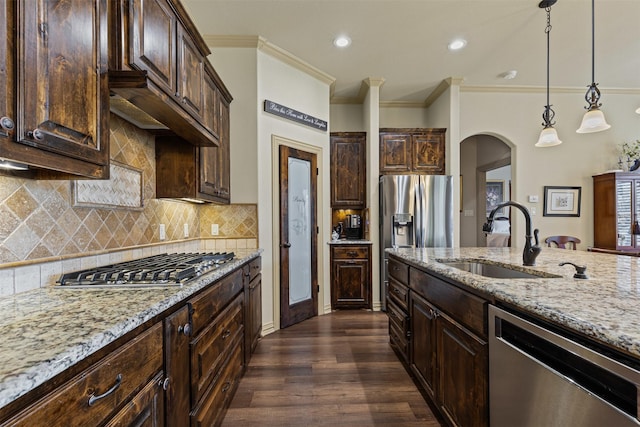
{"type": "Point", "coordinates": [562, 241]}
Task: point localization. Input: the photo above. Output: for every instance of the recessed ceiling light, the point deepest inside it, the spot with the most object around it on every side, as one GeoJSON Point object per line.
{"type": "Point", "coordinates": [457, 44]}
{"type": "Point", "coordinates": [342, 41]}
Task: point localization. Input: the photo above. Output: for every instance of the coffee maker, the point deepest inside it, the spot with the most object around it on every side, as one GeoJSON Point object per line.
{"type": "Point", "coordinates": [353, 228]}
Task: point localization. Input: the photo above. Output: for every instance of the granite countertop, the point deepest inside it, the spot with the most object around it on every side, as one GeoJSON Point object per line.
{"type": "Point", "coordinates": [47, 330]}
{"type": "Point", "coordinates": [350, 242]}
{"type": "Point", "coordinates": [606, 306]}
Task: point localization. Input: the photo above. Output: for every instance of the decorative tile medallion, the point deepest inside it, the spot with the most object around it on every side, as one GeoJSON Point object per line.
{"type": "Point", "coordinates": [122, 190]}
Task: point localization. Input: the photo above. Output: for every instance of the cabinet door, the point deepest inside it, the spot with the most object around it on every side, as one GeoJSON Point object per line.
{"type": "Point", "coordinates": [7, 70]}
{"type": "Point", "coordinates": [153, 28]}
{"type": "Point", "coordinates": [177, 331]}
{"type": "Point", "coordinates": [350, 285]}
{"type": "Point", "coordinates": [224, 153]}
{"type": "Point", "coordinates": [423, 342]}
{"type": "Point", "coordinates": [255, 309]}
{"type": "Point", "coordinates": [348, 170]}
{"type": "Point", "coordinates": [190, 75]}
{"type": "Point", "coordinates": [463, 372]}
{"type": "Point", "coordinates": [428, 153]}
{"type": "Point", "coordinates": [62, 87]}
{"type": "Point", "coordinates": [395, 152]}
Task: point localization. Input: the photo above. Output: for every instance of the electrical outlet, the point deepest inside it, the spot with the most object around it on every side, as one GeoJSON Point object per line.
{"type": "Point", "coordinates": [163, 232]}
{"type": "Point", "coordinates": [214, 229]}
{"type": "Point", "coordinates": [186, 230]}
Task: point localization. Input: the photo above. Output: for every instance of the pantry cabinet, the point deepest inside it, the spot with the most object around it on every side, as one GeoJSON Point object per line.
{"type": "Point", "coordinates": [348, 170]}
{"type": "Point", "coordinates": [54, 107]}
{"type": "Point", "coordinates": [413, 150]}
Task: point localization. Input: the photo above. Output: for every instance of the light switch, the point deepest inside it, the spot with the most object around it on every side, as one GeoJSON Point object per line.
{"type": "Point", "coordinates": [533, 211]}
{"type": "Point", "coordinates": [214, 229]}
{"type": "Point", "coordinates": [533, 199]}
{"type": "Point", "coordinates": [468, 212]}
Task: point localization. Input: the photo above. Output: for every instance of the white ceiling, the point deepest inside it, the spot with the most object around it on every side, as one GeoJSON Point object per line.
{"type": "Point", "coordinates": [405, 41]}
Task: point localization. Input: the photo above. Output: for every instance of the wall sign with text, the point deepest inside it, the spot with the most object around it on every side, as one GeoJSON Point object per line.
{"type": "Point", "coordinates": [296, 116]}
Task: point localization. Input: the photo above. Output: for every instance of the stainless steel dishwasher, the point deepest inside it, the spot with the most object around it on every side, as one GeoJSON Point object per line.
{"type": "Point", "coordinates": [540, 378]}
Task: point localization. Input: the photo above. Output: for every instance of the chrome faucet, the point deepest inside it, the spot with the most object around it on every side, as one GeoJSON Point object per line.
{"type": "Point", "coordinates": [530, 251]}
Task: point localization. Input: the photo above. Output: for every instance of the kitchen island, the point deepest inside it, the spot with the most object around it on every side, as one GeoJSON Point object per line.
{"type": "Point", "coordinates": [49, 330]}
{"type": "Point", "coordinates": [446, 324]}
{"type": "Point", "coordinates": [605, 307]}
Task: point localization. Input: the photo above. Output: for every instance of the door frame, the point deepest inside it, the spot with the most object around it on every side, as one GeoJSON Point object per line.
{"type": "Point", "coordinates": [276, 142]}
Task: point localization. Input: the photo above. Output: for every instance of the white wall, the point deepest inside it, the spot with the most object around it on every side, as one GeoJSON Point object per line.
{"type": "Point", "coordinates": [238, 70]}
{"type": "Point", "coordinates": [516, 117]}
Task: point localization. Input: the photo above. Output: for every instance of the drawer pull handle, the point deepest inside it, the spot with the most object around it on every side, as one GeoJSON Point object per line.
{"type": "Point", "coordinates": [396, 290]}
{"type": "Point", "coordinates": [93, 398]}
{"type": "Point", "coordinates": [352, 253]}
{"type": "Point", "coordinates": [226, 334]}
{"type": "Point", "coordinates": [226, 386]}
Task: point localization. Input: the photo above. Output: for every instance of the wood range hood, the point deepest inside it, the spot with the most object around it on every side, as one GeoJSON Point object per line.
{"type": "Point", "coordinates": [137, 99]}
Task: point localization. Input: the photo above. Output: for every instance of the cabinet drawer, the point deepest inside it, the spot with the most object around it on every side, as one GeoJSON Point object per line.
{"type": "Point", "coordinates": [145, 409]}
{"type": "Point", "coordinates": [350, 252]}
{"type": "Point", "coordinates": [208, 304]}
{"type": "Point", "coordinates": [217, 399]}
{"type": "Point", "coordinates": [211, 347]}
{"type": "Point", "coordinates": [399, 271]}
{"type": "Point", "coordinates": [399, 293]}
{"type": "Point", "coordinates": [116, 378]}
{"type": "Point", "coordinates": [461, 305]}
{"type": "Point", "coordinates": [398, 317]}
{"type": "Point", "coordinates": [398, 341]}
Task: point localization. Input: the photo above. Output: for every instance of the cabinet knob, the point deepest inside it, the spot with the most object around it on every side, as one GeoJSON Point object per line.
{"type": "Point", "coordinates": [35, 134]}
{"type": "Point", "coordinates": [165, 384]}
{"type": "Point", "coordinates": [7, 123]}
{"type": "Point", "coordinates": [226, 386]}
{"type": "Point", "coordinates": [185, 329]}
{"type": "Point", "coordinates": [285, 245]}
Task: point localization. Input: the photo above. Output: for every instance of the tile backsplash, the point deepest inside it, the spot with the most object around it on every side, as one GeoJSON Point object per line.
{"type": "Point", "coordinates": [41, 225]}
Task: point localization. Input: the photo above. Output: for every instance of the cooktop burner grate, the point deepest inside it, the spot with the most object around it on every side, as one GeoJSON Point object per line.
{"type": "Point", "coordinates": [164, 270]}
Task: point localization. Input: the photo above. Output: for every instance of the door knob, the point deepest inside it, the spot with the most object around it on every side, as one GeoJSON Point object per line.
{"type": "Point", "coordinates": [285, 245]}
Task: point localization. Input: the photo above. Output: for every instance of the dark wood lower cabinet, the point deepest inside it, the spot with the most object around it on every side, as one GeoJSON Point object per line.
{"type": "Point", "coordinates": [182, 370]}
{"type": "Point", "coordinates": [350, 276]}
{"type": "Point", "coordinates": [448, 350]}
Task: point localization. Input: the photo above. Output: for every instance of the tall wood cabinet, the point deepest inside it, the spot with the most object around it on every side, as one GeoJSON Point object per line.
{"type": "Point", "coordinates": [412, 150]}
{"type": "Point", "coordinates": [616, 206]}
{"type": "Point", "coordinates": [54, 106]}
{"type": "Point", "coordinates": [348, 170]}
{"type": "Point", "coordinates": [350, 276]}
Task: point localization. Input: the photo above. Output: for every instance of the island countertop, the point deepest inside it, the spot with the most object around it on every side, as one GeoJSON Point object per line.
{"type": "Point", "coordinates": [47, 330]}
{"type": "Point", "coordinates": [606, 306]}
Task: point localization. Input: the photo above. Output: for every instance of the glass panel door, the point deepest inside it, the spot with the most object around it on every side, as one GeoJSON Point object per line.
{"type": "Point", "coordinates": [299, 230]}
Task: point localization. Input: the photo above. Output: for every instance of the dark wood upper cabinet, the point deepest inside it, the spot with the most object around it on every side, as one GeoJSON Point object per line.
{"type": "Point", "coordinates": [415, 150]}
{"type": "Point", "coordinates": [54, 90]}
{"type": "Point", "coordinates": [201, 173]}
{"type": "Point", "coordinates": [616, 207]}
{"type": "Point", "coordinates": [348, 170]}
{"type": "Point", "coordinates": [158, 63]}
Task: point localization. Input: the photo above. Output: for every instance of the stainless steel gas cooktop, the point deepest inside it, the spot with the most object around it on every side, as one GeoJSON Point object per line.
{"type": "Point", "coordinates": [156, 270]}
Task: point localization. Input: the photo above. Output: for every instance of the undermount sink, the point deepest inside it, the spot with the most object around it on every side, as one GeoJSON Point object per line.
{"type": "Point", "coordinates": [496, 271]}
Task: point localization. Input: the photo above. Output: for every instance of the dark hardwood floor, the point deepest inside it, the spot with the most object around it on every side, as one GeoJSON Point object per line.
{"type": "Point", "coordinates": [332, 370]}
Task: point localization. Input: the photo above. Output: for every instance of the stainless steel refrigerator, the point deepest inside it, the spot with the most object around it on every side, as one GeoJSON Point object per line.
{"type": "Point", "coordinates": [416, 211]}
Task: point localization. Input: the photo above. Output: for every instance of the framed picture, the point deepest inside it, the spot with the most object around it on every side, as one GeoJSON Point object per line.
{"type": "Point", "coordinates": [495, 194]}
{"type": "Point", "coordinates": [562, 201]}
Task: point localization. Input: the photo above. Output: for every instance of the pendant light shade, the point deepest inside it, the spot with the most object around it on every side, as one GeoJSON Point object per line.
{"type": "Point", "coordinates": [638, 111]}
{"type": "Point", "coordinates": [548, 136]}
{"type": "Point", "coordinates": [593, 120]}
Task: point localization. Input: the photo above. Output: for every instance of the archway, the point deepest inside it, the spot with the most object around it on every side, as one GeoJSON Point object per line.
{"type": "Point", "coordinates": [486, 177]}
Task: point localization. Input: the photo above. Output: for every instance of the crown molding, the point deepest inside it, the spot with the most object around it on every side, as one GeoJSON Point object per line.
{"type": "Point", "coordinates": [542, 89]}
{"type": "Point", "coordinates": [261, 44]}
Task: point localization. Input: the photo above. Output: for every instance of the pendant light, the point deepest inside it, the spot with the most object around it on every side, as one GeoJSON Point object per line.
{"type": "Point", "coordinates": [593, 120]}
{"type": "Point", "coordinates": [548, 136]}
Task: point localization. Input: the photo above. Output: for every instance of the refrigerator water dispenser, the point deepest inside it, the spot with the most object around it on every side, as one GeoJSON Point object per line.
{"type": "Point", "coordinates": [402, 236]}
